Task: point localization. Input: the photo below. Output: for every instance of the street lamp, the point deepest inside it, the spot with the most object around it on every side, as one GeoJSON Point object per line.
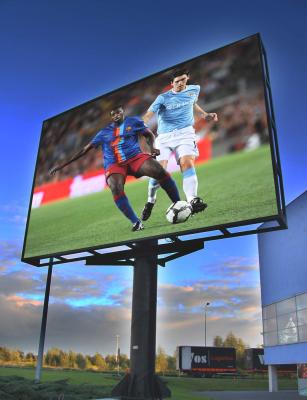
{"type": "Point", "coordinates": [117, 353]}
{"type": "Point", "coordinates": [206, 306]}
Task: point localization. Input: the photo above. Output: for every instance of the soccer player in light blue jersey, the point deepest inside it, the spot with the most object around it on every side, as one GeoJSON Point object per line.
{"type": "Point", "coordinates": [175, 111]}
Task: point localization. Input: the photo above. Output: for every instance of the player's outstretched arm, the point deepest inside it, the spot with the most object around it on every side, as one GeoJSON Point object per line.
{"type": "Point", "coordinates": [150, 140]}
{"type": "Point", "coordinates": [80, 153]}
{"type": "Point", "coordinates": [147, 116]}
{"type": "Point", "coordinates": [204, 114]}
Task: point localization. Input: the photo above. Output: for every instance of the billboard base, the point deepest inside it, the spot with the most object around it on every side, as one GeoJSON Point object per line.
{"type": "Point", "coordinates": [129, 388]}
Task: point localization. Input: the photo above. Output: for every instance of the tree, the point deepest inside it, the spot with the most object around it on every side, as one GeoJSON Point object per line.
{"type": "Point", "coordinates": [52, 357]}
{"type": "Point", "coordinates": [218, 341]}
{"type": "Point", "coordinates": [99, 362]}
{"type": "Point", "coordinates": [72, 359]}
{"type": "Point", "coordinates": [63, 359]}
{"type": "Point", "coordinates": [171, 363]}
{"type": "Point", "coordinates": [15, 356]}
{"type": "Point", "coordinates": [88, 362]}
{"type": "Point", "coordinates": [80, 360]}
{"type": "Point", "coordinates": [124, 362]}
{"type": "Point", "coordinates": [161, 360]}
{"type": "Point", "coordinates": [30, 358]}
{"type": "Point", "coordinates": [111, 361]}
{"type": "Point", "coordinates": [5, 354]}
{"type": "Point", "coordinates": [236, 342]}
{"type": "Point", "coordinates": [230, 341]}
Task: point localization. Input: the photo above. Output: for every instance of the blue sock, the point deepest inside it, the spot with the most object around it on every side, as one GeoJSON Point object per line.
{"type": "Point", "coordinates": [169, 185]}
{"type": "Point", "coordinates": [123, 204]}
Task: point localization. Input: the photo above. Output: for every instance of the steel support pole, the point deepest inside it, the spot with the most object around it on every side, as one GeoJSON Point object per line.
{"type": "Point", "coordinates": [143, 322]}
{"type": "Point", "coordinates": [141, 382]}
{"type": "Point", "coordinates": [40, 356]}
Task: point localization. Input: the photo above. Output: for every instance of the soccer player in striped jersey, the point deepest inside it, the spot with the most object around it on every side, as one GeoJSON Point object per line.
{"type": "Point", "coordinates": [175, 110]}
{"type": "Point", "coordinates": [123, 156]}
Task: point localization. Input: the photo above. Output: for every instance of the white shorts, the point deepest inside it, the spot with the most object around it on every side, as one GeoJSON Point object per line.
{"type": "Point", "coordinates": [181, 142]}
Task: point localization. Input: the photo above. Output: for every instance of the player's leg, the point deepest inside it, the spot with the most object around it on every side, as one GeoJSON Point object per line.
{"type": "Point", "coordinates": [154, 169]}
{"type": "Point", "coordinates": [153, 184]}
{"type": "Point", "coordinates": [116, 183]}
{"type": "Point", "coordinates": [189, 177]}
{"type": "Point", "coordinates": [185, 155]}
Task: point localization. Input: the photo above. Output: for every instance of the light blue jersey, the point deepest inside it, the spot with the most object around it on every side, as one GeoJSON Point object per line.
{"type": "Point", "coordinates": [175, 109]}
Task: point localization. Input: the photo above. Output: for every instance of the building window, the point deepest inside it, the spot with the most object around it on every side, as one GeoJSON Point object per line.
{"type": "Point", "coordinates": [269, 311]}
{"type": "Point", "coordinates": [302, 317]}
{"type": "Point", "coordinates": [302, 333]}
{"type": "Point", "coordinates": [301, 301]}
{"type": "Point", "coordinates": [285, 306]}
{"type": "Point", "coordinates": [270, 339]}
{"type": "Point", "coordinates": [287, 336]}
{"type": "Point", "coordinates": [285, 321]}
{"type": "Point", "coordinates": [270, 325]}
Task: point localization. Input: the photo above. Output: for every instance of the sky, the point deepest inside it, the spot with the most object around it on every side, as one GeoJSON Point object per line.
{"type": "Point", "coordinates": [56, 55]}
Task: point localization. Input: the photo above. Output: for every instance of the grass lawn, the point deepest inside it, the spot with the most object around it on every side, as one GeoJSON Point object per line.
{"type": "Point", "coordinates": [236, 187]}
{"type": "Point", "coordinates": [79, 385]}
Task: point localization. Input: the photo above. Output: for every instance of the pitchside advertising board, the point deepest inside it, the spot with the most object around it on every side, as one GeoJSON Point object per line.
{"type": "Point", "coordinates": [193, 359]}
{"type": "Point", "coordinates": [302, 379]}
{"type": "Point", "coordinates": [73, 210]}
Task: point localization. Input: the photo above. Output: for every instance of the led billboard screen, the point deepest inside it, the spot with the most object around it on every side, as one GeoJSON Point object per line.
{"type": "Point", "coordinates": [227, 162]}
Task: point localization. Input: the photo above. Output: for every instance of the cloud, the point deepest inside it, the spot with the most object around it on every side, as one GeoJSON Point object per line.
{"type": "Point", "coordinates": [123, 297]}
{"type": "Point", "coordinates": [13, 212]}
{"type": "Point", "coordinates": [30, 282]}
{"type": "Point", "coordinates": [13, 208]}
{"type": "Point", "coordinates": [74, 288]}
{"type": "Point", "coordinates": [232, 267]}
{"type": "Point", "coordinates": [10, 252]}
{"type": "Point", "coordinates": [231, 298]}
{"type": "Point", "coordinates": [93, 328]}
{"type": "Point", "coordinates": [174, 329]}
{"type": "Point", "coordinates": [21, 301]}
{"type": "Point", "coordinates": [87, 329]}
{"type": "Point", "coordinates": [78, 320]}
{"type": "Point", "coordinates": [233, 308]}
{"type": "Point", "coordinates": [16, 282]}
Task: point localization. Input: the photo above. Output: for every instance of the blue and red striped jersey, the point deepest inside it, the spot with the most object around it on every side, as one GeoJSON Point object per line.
{"type": "Point", "coordinates": [120, 142]}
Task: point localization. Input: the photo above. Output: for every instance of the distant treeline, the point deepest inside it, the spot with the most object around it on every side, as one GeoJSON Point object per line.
{"type": "Point", "coordinates": [56, 357]}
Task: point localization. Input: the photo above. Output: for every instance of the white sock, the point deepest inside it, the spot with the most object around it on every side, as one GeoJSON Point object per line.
{"type": "Point", "coordinates": [153, 186]}
{"type": "Point", "coordinates": [190, 183]}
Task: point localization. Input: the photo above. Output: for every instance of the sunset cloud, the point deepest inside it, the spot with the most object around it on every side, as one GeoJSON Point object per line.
{"type": "Point", "coordinates": [88, 307]}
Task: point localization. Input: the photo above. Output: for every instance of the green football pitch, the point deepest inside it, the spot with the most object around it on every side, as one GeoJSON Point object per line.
{"type": "Point", "coordinates": [17, 384]}
{"type": "Point", "coordinates": [237, 187]}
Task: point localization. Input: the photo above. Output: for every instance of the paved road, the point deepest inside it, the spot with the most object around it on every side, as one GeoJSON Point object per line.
{"type": "Point", "coordinates": [241, 395]}
{"type": "Point", "coordinates": [257, 395]}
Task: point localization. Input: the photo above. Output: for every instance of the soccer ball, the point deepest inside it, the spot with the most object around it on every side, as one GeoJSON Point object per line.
{"type": "Point", "coordinates": [178, 212]}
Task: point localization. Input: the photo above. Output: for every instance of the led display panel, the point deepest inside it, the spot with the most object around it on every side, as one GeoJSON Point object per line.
{"type": "Point", "coordinates": [209, 119]}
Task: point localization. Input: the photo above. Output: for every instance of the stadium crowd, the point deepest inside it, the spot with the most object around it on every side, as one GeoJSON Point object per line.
{"type": "Point", "coordinates": [231, 85]}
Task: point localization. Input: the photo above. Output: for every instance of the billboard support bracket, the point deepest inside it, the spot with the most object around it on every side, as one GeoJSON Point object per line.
{"type": "Point", "coordinates": [174, 249]}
